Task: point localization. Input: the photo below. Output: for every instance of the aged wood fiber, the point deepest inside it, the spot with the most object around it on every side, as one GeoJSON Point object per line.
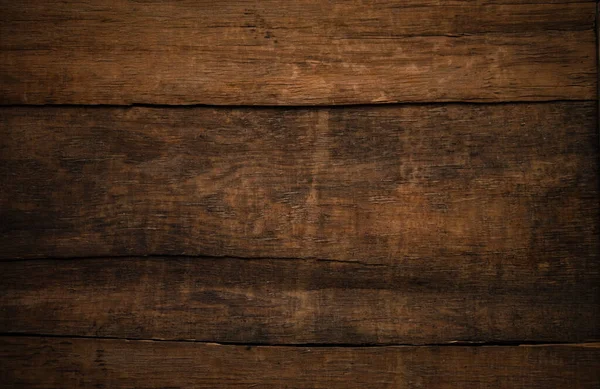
{"type": "Point", "coordinates": [140, 222]}
{"type": "Point", "coordinates": [92, 363]}
{"type": "Point", "coordinates": [295, 53]}
{"type": "Point", "coordinates": [371, 184]}
{"type": "Point", "coordinates": [293, 302]}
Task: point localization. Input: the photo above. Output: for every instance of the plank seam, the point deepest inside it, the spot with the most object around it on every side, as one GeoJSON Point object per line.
{"type": "Point", "coordinates": [198, 257]}
{"type": "Point", "coordinates": [457, 343]}
{"type": "Point", "coordinates": [301, 107]}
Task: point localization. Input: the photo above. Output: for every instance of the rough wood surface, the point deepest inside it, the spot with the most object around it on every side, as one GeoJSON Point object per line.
{"type": "Point", "coordinates": [295, 53]}
{"type": "Point", "coordinates": [303, 302]}
{"type": "Point", "coordinates": [89, 363]}
{"type": "Point", "coordinates": [376, 184]}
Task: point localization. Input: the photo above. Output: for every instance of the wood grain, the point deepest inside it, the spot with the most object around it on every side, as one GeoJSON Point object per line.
{"type": "Point", "coordinates": [88, 363]}
{"type": "Point", "coordinates": [380, 184]}
{"type": "Point", "coordinates": [295, 53]}
{"type": "Point", "coordinates": [303, 302]}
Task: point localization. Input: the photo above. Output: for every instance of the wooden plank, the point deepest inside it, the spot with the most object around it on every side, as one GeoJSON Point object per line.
{"type": "Point", "coordinates": [91, 363]}
{"type": "Point", "coordinates": [378, 184]}
{"type": "Point", "coordinates": [303, 302]}
{"type": "Point", "coordinates": [295, 53]}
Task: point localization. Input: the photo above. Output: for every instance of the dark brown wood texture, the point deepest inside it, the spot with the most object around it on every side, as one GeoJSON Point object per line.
{"type": "Point", "coordinates": [295, 53]}
{"type": "Point", "coordinates": [322, 245]}
{"type": "Point", "coordinates": [92, 363]}
{"type": "Point", "coordinates": [369, 184]}
{"type": "Point", "coordinates": [293, 302]}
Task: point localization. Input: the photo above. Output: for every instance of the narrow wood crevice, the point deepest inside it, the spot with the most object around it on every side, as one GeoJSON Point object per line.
{"type": "Point", "coordinates": [436, 103]}
{"type": "Point", "coordinates": [94, 363]}
{"type": "Point", "coordinates": [203, 258]}
{"type": "Point", "coordinates": [456, 343]}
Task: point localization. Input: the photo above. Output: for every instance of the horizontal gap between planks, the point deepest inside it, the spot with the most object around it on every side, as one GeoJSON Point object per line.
{"type": "Point", "coordinates": [457, 343]}
{"type": "Point", "coordinates": [197, 257]}
{"type": "Point", "coordinates": [299, 107]}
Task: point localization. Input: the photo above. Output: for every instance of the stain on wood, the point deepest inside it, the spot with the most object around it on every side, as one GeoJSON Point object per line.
{"type": "Point", "coordinates": [303, 302]}
{"type": "Point", "coordinates": [370, 184]}
{"type": "Point", "coordinates": [306, 52]}
{"type": "Point", "coordinates": [92, 363]}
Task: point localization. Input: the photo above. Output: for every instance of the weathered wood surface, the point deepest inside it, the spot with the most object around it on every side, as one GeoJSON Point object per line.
{"type": "Point", "coordinates": [376, 184]}
{"type": "Point", "coordinates": [303, 302]}
{"type": "Point", "coordinates": [295, 53]}
{"type": "Point", "coordinates": [90, 363]}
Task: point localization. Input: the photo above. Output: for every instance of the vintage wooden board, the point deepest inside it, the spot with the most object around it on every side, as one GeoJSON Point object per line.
{"type": "Point", "coordinates": [295, 53]}
{"type": "Point", "coordinates": [303, 302]}
{"type": "Point", "coordinates": [515, 182]}
{"type": "Point", "coordinates": [330, 242]}
{"type": "Point", "coordinates": [90, 363]}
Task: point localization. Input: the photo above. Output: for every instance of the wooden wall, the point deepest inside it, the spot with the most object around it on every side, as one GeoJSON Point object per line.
{"type": "Point", "coordinates": [303, 194]}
